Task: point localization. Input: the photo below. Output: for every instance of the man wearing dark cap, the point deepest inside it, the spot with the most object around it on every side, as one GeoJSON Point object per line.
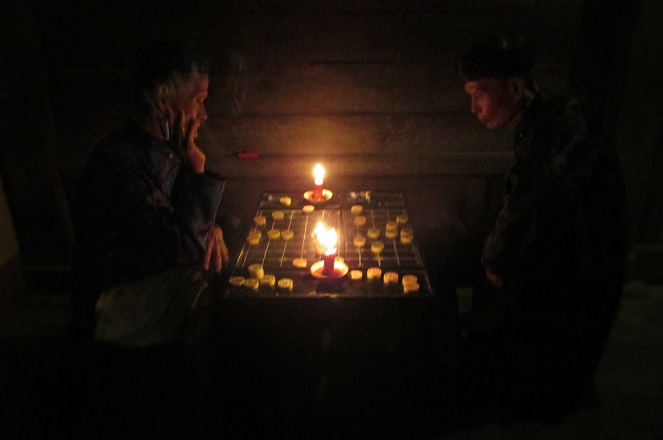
{"type": "Point", "coordinates": [554, 258]}
{"type": "Point", "coordinates": [145, 209]}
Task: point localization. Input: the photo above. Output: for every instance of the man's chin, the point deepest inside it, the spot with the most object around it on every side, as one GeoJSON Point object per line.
{"type": "Point", "coordinates": [486, 124]}
{"type": "Point", "coordinates": [492, 125]}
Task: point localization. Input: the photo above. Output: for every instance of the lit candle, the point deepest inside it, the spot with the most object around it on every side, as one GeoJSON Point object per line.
{"type": "Point", "coordinates": [319, 174]}
{"type": "Point", "coordinates": [329, 239]}
{"type": "Point", "coordinates": [330, 258]}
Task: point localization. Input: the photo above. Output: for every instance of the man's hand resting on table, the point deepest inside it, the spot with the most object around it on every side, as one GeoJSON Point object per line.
{"type": "Point", "coordinates": [216, 254]}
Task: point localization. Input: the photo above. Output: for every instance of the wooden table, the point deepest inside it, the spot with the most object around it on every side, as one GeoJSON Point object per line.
{"type": "Point", "coordinates": [340, 345]}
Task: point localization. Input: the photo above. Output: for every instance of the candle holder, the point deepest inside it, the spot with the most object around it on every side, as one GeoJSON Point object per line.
{"type": "Point", "coordinates": [333, 283]}
{"type": "Point", "coordinates": [310, 196]}
{"type": "Point", "coordinates": [340, 270]}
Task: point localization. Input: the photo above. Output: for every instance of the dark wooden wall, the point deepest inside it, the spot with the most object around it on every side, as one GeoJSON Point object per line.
{"type": "Point", "coordinates": [367, 87]}
{"type": "Point", "coordinates": [327, 78]}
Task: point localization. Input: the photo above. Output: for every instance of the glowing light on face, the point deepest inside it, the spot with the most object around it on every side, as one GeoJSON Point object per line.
{"type": "Point", "coordinates": [495, 102]}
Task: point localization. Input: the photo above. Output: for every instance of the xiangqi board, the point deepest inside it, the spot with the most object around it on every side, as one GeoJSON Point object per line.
{"type": "Point", "coordinates": [375, 241]}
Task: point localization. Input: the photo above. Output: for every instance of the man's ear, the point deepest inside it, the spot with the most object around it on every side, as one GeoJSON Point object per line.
{"type": "Point", "coordinates": [517, 87]}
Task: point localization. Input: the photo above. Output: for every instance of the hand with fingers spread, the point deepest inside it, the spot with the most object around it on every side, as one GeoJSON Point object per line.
{"type": "Point", "coordinates": [216, 254]}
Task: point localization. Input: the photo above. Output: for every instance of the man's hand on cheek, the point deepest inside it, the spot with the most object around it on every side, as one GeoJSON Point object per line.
{"type": "Point", "coordinates": [192, 154]}
{"type": "Point", "coordinates": [182, 141]}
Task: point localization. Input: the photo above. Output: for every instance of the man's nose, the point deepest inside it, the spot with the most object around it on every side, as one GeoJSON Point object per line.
{"type": "Point", "coordinates": [202, 114]}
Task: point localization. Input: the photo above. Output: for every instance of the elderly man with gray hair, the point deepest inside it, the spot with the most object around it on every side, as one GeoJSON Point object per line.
{"type": "Point", "coordinates": [145, 209]}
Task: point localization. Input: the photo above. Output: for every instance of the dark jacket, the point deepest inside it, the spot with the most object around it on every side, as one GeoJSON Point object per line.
{"type": "Point", "coordinates": [559, 246]}
{"type": "Point", "coordinates": [137, 212]}
{"type": "Point", "coordinates": [559, 240]}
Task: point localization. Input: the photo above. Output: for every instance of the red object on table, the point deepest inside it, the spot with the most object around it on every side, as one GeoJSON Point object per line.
{"type": "Point", "coordinates": [317, 192]}
{"type": "Point", "coordinates": [247, 154]}
{"type": "Point", "coordinates": [328, 268]}
{"type": "Point", "coordinates": [319, 174]}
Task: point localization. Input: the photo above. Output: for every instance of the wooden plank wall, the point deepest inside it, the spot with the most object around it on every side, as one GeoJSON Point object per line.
{"type": "Point", "coordinates": [367, 87]}
{"type": "Point", "coordinates": [320, 79]}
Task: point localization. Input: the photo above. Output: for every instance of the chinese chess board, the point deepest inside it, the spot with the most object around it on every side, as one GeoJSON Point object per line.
{"type": "Point", "coordinates": [365, 214]}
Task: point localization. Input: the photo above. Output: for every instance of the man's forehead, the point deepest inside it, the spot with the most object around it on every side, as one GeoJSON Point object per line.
{"type": "Point", "coordinates": [197, 85]}
{"type": "Point", "coordinates": [482, 84]}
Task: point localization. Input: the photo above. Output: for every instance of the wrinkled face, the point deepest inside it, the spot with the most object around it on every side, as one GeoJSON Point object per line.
{"type": "Point", "coordinates": [190, 99]}
{"type": "Point", "coordinates": [495, 102]}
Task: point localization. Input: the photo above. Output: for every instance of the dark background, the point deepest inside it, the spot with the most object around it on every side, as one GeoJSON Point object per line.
{"type": "Point", "coordinates": [369, 88]}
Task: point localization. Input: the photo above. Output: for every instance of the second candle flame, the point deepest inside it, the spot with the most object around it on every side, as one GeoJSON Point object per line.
{"type": "Point", "coordinates": [328, 237]}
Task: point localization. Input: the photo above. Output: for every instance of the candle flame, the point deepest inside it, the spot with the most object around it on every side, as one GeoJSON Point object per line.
{"type": "Point", "coordinates": [320, 230]}
{"type": "Point", "coordinates": [328, 237]}
{"type": "Point", "coordinates": [318, 173]}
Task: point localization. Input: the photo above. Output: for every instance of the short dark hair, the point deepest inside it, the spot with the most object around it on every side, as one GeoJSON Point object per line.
{"type": "Point", "coordinates": [497, 57]}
